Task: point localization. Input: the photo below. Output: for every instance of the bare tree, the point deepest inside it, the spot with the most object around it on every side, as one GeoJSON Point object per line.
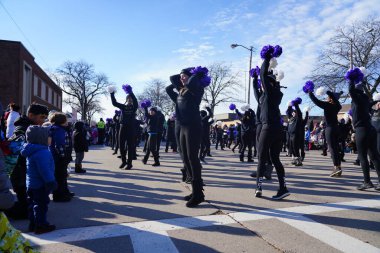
{"type": "Point", "coordinates": [156, 93]}
{"type": "Point", "coordinates": [82, 85]}
{"type": "Point", "coordinates": [334, 60]}
{"type": "Point", "coordinates": [224, 86]}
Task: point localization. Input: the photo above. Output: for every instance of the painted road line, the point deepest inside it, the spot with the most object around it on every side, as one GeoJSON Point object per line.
{"type": "Point", "coordinates": [158, 242]}
{"type": "Point", "coordinates": [330, 236]}
{"type": "Point", "coordinates": [105, 231]}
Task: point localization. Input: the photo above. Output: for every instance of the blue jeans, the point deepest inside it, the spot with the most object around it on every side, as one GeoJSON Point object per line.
{"type": "Point", "coordinates": [38, 200]}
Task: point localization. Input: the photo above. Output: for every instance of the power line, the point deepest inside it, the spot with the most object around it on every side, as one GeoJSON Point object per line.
{"type": "Point", "coordinates": [24, 35]}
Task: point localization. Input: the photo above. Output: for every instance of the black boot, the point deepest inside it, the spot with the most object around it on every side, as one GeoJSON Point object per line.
{"type": "Point", "coordinates": [197, 196]}
{"type": "Point", "coordinates": [123, 163]}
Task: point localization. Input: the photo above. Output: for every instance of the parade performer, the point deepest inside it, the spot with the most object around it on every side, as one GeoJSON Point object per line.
{"type": "Point", "coordinates": [190, 84]}
{"type": "Point", "coordinates": [247, 131]}
{"type": "Point", "coordinates": [270, 117]}
{"type": "Point", "coordinates": [206, 120]}
{"type": "Point", "coordinates": [219, 135]}
{"type": "Point", "coordinates": [365, 133]}
{"type": "Point", "coordinates": [303, 132]}
{"type": "Point", "coordinates": [238, 138]}
{"type": "Point", "coordinates": [331, 108]}
{"type": "Point", "coordinates": [295, 128]}
{"type": "Point", "coordinates": [160, 128]}
{"type": "Point", "coordinates": [116, 120]}
{"type": "Point", "coordinates": [256, 85]}
{"type": "Point", "coordinates": [170, 138]}
{"type": "Point", "coordinates": [127, 133]}
{"type": "Point", "coordinates": [152, 121]}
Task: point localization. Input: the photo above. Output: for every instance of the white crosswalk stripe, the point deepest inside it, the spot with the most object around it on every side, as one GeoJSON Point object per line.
{"type": "Point", "coordinates": [151, 236]}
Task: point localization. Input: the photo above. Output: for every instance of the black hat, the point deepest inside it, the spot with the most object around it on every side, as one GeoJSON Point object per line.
{"type": "Point", "coordinates": [335, 94]}
{"type": "Point", "coordinates": [187, 71]}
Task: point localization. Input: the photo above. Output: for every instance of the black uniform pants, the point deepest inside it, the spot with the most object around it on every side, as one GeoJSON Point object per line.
{"type": "Point", "coordinates": [151, 147]}
{"type": "Point", "coordinates": [247, 142]}
{"type": "Point", "coordinates": [127, 139]}
{"type": "Point", "coordinates": [366, 142]}
{"type": "Point", "coordinates": [332, 135]}
{"type": "Point", "coordinates": [189, 142]}
{"type": "Point", "coordinates": [295, 144]}
{"type": "Point", "coordinates": [219, 140]}
{"type": "Point", "coordinates": [270, 144]}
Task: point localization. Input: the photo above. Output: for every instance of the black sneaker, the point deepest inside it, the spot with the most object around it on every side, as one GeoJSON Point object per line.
{"type": "Point", "coordinates": [357, 163]}
{"type": "Point", "coordinates": [250, 161]}
{"type": "Point", "coordinates": [193, 202]}
{"type": "Point", "coordinates": [143, 161]}
{"type": "Point", "coordinates": [364, 186]}
{"type": "Point", "coordinates": [258, 193]}
{"type": "Point", "coordinates": [253, 174]}
{"type": "Point", "coordinates": [64, 198]}
{"type": "Point", "coordinates": [129, 167]}
{"type": "Point", "coordinates": [377, 188]}
{"type": "Point", "coordinates": [156, 164]}
{"type": "Point", "coordinates": [337, 172]}
{"type": "Point", "coordinates": [41, 229]}
{"type": "Point", "coordinates": [188, 197]}
{"type": "Point", "coordinates": [281, 193]}
{"type": "Point", "coordinates": [122, 165]}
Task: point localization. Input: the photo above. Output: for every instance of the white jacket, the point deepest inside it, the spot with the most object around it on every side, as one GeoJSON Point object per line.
{"type": "Point", "coordinates": [13, 116]}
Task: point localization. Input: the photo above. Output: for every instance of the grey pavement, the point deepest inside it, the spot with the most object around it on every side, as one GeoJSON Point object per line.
{"type": "Point", "coordinates": [142, 210]}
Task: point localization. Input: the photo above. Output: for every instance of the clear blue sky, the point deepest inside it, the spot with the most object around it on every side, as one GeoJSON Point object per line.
{"type": "Point", "coordinates": [134, 41]}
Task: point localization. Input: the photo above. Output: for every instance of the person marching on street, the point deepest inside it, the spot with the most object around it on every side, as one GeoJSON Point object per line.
{"type": "Point", "coordinates": [127, 133]}
{"type": "Point", "coordinates": [270, 117]}
{"type": "Point", "coordinates": [190, 84]}
{"type": "Point", "coordinates": [152, 120]}
{"type": "Point", "coordinates": [295, 129]}
{"type": "Point", "coordinates": [206, 116]}
{"type": "Point", "coordinates": [365, 133]}
{"type": "Point", "coordinates": [331, 108]}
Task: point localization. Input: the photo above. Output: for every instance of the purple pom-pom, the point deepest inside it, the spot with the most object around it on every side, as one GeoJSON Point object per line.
{"type": "Point", "coordinates": [350, 112]}
{"type": "Point", "coordinates": [259, 84]}
{"type": "Point", "coordinates": [267, 51]}
{"type": "Point", "coordinates": [205, 81]}
{"type": "Point", "coordinates": [308, 87]}
{"type": "Point", "coordinates": [203, 71]}
{"type": "Point", "coordinates": [148, 103]}
{"type": "Point", "coordinates": [228, 132]}
{"type": "Point", "coordinates": [143, 104]}
{"type": "Point", "coordinates": [255, 72]}
{"type": "Point", "coordinates": [127, 88]}
{"type": "Point", "coordinates": [355, 75]}
{"type": "Point", "coordinates": [277, 51]}
{"type": "Point", "coordinates": [232, 107]}
{"type": "Point", "coordinates": [199, 69]}
{"type": "Point", "coordinates": [116, 111]}
{"type": "Point", "coordinates": [297, 101]}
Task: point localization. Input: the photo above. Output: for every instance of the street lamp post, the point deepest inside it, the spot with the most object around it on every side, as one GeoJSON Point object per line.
{"type": "Point", "coordinates": [351, 46]}
{"type": "Point", "coordinates": [251, 49]}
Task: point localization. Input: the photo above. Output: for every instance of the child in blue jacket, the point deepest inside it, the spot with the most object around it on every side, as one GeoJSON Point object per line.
{"type": "Point", "coordinates": [61, 148]}
{"type": "Point", "coordinates": [40, 179]}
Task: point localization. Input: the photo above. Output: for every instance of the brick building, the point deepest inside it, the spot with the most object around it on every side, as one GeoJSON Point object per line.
{"type": "Point", "coordinates": [22, 81]}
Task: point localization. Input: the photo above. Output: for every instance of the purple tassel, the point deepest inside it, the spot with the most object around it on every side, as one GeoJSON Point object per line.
{"type": "Point", "coordinates": [127, 88]}
{"type": "Point", "coordinates": [308, 87]}
{"type": "Point", "coordinates": [232, 107]}
{"type": "Point", "coordinates": [267, 51]}
{"type": "Point", "coordinates": [277, 51]}
{"type": "Point", "coordinates": [355, 75]}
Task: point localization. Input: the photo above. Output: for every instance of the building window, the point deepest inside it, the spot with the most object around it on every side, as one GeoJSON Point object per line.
{"type": "Point", "coordinates": [50, 95]}
{"type": "Point", "coordinates": [43, 90]}
{"type": "Point", "coordinates": [35, 86]}
{"type": "Point", "coordinates": [55, 99]}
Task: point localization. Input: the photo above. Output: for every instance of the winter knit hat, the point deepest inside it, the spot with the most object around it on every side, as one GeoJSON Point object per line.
{"type": "Point", "coordinates": [37, 135]}
{"type": "Point", "coordinates": [187, 71]}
